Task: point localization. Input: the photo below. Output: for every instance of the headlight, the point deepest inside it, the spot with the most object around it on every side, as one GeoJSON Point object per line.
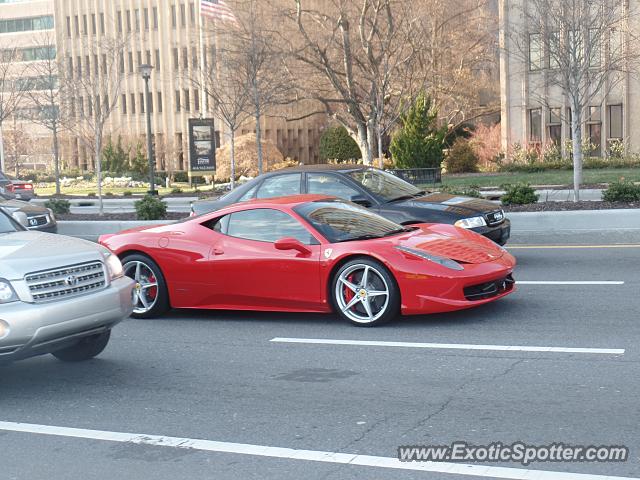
{"type": "Point", "coordinates": [115, 266]}
{"type": "Point", "coordinates": [7, 293]}
{"type": "Point", "coordinates": [474, 222]}
{"type": "Point", "coordinates": [445, 262]}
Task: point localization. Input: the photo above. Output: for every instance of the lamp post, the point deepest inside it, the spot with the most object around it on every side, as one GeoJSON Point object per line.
{"type": "Point", "coordinates": [145, 71]}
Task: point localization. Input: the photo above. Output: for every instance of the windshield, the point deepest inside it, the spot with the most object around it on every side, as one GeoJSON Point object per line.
{"type": "Point", "coordinates": [340, 221]}
{"type": "Point", "coordinates": [7, 224]}
{"type": "Point", "coordinates": [385, 185]}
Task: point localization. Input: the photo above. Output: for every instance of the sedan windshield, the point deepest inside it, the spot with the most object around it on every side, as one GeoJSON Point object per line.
{"type": "Point", "coordinates": [385, 185]}
{"type": "Point", "coordinates": [7, 225]}
{"type": "Point", "coordinates": [340, 221]}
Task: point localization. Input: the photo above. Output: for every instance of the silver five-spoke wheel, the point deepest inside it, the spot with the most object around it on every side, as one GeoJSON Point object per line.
{"type": "Point", "coordinates": [362, 293]}
{"type": "Point", "coordinates": [146, 288]}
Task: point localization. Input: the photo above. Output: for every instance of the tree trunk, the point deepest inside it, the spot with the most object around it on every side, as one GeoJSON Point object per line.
{"type": "Point", "coordinates": [233, 159]}
{"type": "Point", "coordinates": [363, 143]}
{"type": "Point", "coordinates": [577, 155]}
{"type": "Point", "coordinates": [2, 158]}
{"type": "Point", "coordinates": [56, 157]}
{"type": "Point", "coordinates": [380, 152]}
{"type": "Point", "coordinates": [98, 162]}
{"type": "Point", "coordinates": [259, 140]}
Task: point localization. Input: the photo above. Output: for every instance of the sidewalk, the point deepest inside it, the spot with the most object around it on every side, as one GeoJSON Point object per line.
{"type": "Point", "coordinates": [587, 195]}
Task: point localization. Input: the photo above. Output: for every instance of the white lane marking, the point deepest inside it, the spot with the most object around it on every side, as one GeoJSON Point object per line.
{"type": "Point", "coordinates": [450, 346]}
{"type": "Point", "coordinates": [304, 455]}
{"type": "Point", "coordinates": [544, 282]}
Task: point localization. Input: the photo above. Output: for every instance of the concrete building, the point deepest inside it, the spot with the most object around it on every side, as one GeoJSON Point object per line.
{"type": "Point", "coordinates": [535, 113]}
{"type": "Point", "coordinates": [165, 34]}
{"type": "Point", "coordinates": [26, 37]}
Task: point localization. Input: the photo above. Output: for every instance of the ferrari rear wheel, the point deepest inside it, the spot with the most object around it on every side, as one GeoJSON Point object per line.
{"type": "Point", "coordinates": [365, 293]}
{"type": "Point", "coordinates": [151, 298]}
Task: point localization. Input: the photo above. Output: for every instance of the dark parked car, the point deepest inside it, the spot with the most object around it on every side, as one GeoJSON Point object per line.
{"type": "Point", "coordinates": [34, 217]}
{"type": "Point", "coordinates": [376, 189]}
{"type": "Point", "coordinates": [21, 189]}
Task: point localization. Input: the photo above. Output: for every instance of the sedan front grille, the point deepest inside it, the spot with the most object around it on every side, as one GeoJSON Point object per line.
{"type": "Point", "coordinates": [495, 218]}
{"type": "Point", "coordinates": [66, 282]}
{"type": "Point", "coordinates": [38, 220]}
{"type": "Point", "coordinates": [488, 290]}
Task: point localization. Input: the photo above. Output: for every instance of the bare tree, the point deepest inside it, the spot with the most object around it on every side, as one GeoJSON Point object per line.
{"type": "Point", "coordinates": [583, 50]}
{"type": "Point", "coordinates": [92, 94]}
{"type": "Point", "coordinates": [228, 91]}
{"type": "Point", "coordinates": [46, 99]}
{"type": "Point", "coordinates": [17, 143]}
{"type": "Point", "coordinates": [11, 90]}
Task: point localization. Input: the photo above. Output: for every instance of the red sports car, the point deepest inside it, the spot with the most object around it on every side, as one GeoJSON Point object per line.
{"type": "Point", "coordinates": [311, 253]}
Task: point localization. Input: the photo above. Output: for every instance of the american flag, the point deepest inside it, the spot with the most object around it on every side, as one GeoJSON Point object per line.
{"type": "Point", "coordinates": [217, 9]}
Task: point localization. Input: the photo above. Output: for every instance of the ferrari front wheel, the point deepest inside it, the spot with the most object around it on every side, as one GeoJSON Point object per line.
{"type": "Point", "coordinates": [365, 293]}
{"type": "Point", "coordinates": [151, 298]}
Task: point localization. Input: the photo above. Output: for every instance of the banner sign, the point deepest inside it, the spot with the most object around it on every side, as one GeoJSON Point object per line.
{"type": "Point", "coordinates": [202, 147]}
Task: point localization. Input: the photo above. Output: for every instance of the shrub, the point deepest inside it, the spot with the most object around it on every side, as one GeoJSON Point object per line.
{"type": "Point", "coordinates": [109, 194]}
{"type": "Point", "coordinates": [91, 194]}
{"type": "Point", "coordinates": [127, 193]}
{"type": "Point", "coordinates": [461, 158]}
{"type": "Point", "coordinates": [59, 206]}
{"type": "Point", "coordinates": [519, 194]}
{"type": "Point", "coordinates": [151, 208]}
{"type": "Point", "coordinates": [176, 190]}
{"type": "Point", "coordinates": [487, 144]}
{"type": "Point", "coordinates": [337, 144]}
{"type": "Point", "coordinates": [622, 191]}
{"type": "Point", "coordinates": [419, 143]}
{"type": "Point", "coordinates": [471, 191]}
{"type": "Point", "coordinates": [181, 177]}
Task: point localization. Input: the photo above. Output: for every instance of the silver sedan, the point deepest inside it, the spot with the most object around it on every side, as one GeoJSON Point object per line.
{"type": "Point", "coordinates": [58, 295]}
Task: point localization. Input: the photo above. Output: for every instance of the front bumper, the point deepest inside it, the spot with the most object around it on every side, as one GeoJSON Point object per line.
{"type": "Point", "coordinates": [499, 233]}
{"type": "Point", "coordinates": [37, 329]}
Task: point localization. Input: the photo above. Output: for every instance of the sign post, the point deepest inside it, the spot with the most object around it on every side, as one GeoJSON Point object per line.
{"type": "Point", "coordinates": [202, 147]}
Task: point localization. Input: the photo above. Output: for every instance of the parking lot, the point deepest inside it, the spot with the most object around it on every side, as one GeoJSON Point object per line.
{"type": "Point", "coordinates": [206, 395]}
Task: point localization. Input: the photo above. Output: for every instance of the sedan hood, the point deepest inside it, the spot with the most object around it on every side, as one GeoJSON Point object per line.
{"type": "Point", "coordinates": [26, 252]}
{"type": "Point", "coordinates": [457, 244]}
{"type": "Point", "coordinates": [26, 207]}
{"type": "Point", "coordinates": [462, 206]}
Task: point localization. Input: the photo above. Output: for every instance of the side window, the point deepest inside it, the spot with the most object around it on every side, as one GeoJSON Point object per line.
{"type": "Point", "coordinates": [280, 186]}
{"type": "Point", "coordinates": [218, 224]}
{"type": "Point", "coordinates": [266, 225]}
{"type": "Point", "coordinates": [248, 195]}
{"type": "Point", "coordinates": [327, 184]}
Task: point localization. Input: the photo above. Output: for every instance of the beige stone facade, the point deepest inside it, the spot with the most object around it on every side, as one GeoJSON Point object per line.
{"type": "Point", "coordinates": [165, 34]}
{"type": "Point", "coordinates": [535, 114]}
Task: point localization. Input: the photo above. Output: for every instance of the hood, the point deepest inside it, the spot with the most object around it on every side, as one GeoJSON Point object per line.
{"type": "Point", "coordinates": [26, 252]}
{"type": "Point", "coordinates": [462, 206]}
{"type": "Point", "coordinates": [26, 207]}
{"type": "Point", "coordinates": [447, 241]}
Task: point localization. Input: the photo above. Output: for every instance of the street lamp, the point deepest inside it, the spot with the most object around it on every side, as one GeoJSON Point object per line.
{"type": "Point", "coordinates": [145, 71]}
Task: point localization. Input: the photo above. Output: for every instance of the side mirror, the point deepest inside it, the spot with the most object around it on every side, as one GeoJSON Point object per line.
{"type": "Point", "coordinates": [21, 218]}
{"type": "Point", "coordinates": [361, 200]}
{"type": "Point", "coordinates": [292, 244]}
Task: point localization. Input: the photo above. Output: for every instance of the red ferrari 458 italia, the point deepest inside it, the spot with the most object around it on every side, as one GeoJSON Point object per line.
{"type": "Point", "coordinates": [310, 253]}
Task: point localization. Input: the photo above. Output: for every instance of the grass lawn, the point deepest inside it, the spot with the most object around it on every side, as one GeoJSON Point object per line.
{"type": "Point", "coordinates": [50, 189]}
{"type": "Point", "coordinates": [551, 177]}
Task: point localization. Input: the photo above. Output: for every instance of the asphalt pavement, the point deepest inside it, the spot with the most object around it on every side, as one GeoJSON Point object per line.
{"type": "Point", "coordinates": [225, 395]}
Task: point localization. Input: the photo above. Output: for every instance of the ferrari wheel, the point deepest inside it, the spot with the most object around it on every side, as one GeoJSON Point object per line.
{"type": "Point", "coordinates": [151, 298]}
{"type": "Point", "coordinates": [365, 293]}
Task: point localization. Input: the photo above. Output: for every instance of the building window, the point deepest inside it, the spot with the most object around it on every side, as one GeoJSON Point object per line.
{"type": "Point", "coordinates": [123, 103]}
{"type": "Point", "coordinates": [104, 63]}
{"type": "Point", "coordinates": [139, 54]}
{"type": "Point", "coordinates": [594, 130]}
{"type": "Point", "coordinates": [132, 104]}
{"type": "Point", "coordinates": [14, 25]}
{"type": "Point", "coordinates": [68, 27]}
{"type": "Point", "coordinates": [96, 65]}
{"type": "Point", "coordinates": [142, 103]}
{"type": "Point", "coordinates": [131, 66]}
{"type": "Point", "coordinates": [119, 15]}
{"type": "Point", "coordinates": [185, 58]}
{"type": "Point", "coordinates": [187, 101]}
{"type": "Point", "coordinates": [121, 63]}
{"type": "Point", "coordinates": [196, 100]}
{"type": "Point", "coordinates": [157, 59]}
{"type": "Point", "coordinates": [174, 19]}
{"type": "Point", "coordinates": [178, 107]}
{"type": "Point", "coordinates": [136, 14]}
{"type": "Point", "coordinates": [145, 14]}
{"type": "Point", "coordinates": [194, 58]}
{"type": "Point", "coordinates": [155, 18]}
{"type": "Point", "coordinates": [536, 54]}
{"type": "Point", "coordinates": [128, 20]}
{"type": "Point", "coordinates": [94, 25]}
{"type": "Point", "coordinates": [595, 50]}
{"type": "Point", "coordinates": [159, 101]}
{"type": "Point", "coordinates": [102, 23]}
{"type": "Point", "coordinates": [535, 126]}
{"type": "Point", "coordinates": [183, 15]}
{"type": "Point", "coordinates": [192, 13]}
{"type": "Point", "coordinates": [79, 66]}
{"type": "Point", "coordinates": [76, 25]}
{"type": "Point", "coordinates": [616, 122]}
{"type": "Point", "coordinates": [176, 61]}
{"type": "Point", "coordinates": [85, 25]}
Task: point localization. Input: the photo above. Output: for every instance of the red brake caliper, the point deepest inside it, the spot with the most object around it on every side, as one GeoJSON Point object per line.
{"type": "Point", "coordinates": [348, 293]}
{"type": "Point", "coordinates": [153, 291]}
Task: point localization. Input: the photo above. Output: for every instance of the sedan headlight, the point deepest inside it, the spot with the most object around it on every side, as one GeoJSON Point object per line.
{"type": "Point", "coordinates": [115, 266]}
{"type": "Point", "coordinates": [7, 293]}
{"type": "Point", "coordinates": [445, 262]}
{"type": "Point", "coordinates": [474, 222]}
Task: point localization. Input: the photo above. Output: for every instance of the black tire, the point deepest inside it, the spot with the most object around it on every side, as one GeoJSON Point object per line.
{"type": "Point", "coordinates": [161, 305]}
{"type": "Point", "coordinates": [85, 349]}
{"type": "Point", "coordinates": [392, 307]}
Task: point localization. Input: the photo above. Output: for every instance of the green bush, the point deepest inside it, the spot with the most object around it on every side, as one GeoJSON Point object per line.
{"type": "Point", "coordinates": [180, 177]}
{"type": "Point", "coordinates": [519, 194]}
{"type": "Point", "coordinates": [59, 206]}
{"type": "Point", "coordinates": [461, 158]}
{"type": "Point", "coordinates": [622, 191]}
{"type": "Point", "coordinates": [115, 159]}
{"type": "Point", "coordinates": [151, 208]}
{"type": "Point", "coordinates": [91, 194]}
{"type": "Point", "coordinates": [127, 193]}
{"type": "Point", "coordinates": [176, 190]}
{"type": "Point", "coordinates": [337, 144]}
{"type": "Point", "coordinates": [419, 143]}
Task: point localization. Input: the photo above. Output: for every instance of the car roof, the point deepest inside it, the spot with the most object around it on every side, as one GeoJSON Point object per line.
{"type": "Point", "coordinates": [291, 200]}
{"type": "Point", "coordinates": [348, 167]}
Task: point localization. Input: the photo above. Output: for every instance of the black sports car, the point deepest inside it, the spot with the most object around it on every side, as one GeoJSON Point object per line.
{"type": "Point", "coordinates": [370, 187]}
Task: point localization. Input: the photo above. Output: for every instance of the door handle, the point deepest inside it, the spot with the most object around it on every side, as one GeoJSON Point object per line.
{"type": "Point", "coordinates": [218, 251]}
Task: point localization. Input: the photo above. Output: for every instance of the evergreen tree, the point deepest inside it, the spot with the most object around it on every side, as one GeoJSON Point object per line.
{"type": "Point", "coordinates": [337, 144]}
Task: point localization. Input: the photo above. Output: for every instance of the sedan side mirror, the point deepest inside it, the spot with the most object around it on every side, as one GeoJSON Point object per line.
{"type": "Point", "coordinates": [292, 244]}
{"type": "Point", "coordinates": [361, 200]}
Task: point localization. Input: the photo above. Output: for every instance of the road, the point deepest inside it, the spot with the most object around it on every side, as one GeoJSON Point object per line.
{"type": "Point", "coordinates": [220, 377]}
